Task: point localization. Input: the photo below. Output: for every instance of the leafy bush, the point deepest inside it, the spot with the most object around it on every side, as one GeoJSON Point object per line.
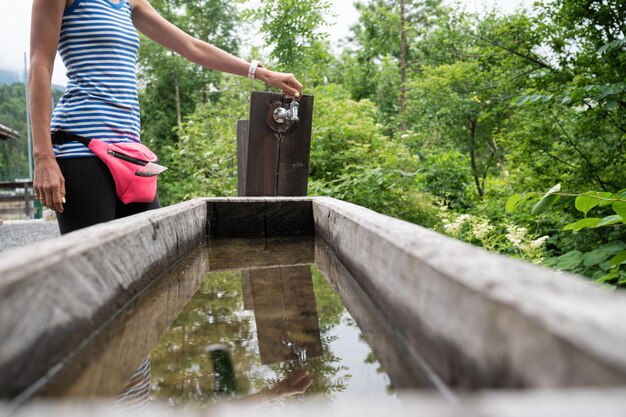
{"type": "Point", "coordinates": [352, 160]}
{"type": "Point", "coordinates": [604, 262]}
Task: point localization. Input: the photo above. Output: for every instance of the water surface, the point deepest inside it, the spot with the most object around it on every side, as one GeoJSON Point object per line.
{"type": "Point", "coordinates": [246, 320]}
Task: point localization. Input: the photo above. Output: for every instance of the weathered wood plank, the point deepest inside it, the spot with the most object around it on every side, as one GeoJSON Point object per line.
{"type": "Point", "coordinates": [586, 402]}
{"type": "Point", "coordinates": [295, 147]}
{"type": "Point", "coordinates": [102, 367]}
{"type": "Point", "coordinates": [68, 286]}
{"type": "Point", "coordinates": [243, 136]}
{"type": "Point", "coordinates": [16, 185]}
{"type": "Point", "coordinates": [263, 147]}
{"type": "Point", "coordinates": [481, 320]}
{"type": "Point", "coordinates": [260, 218]}
{"type": "Point", "coordinates": [403, 364]}
{"type": "Point", "coordinates": [277, 160]}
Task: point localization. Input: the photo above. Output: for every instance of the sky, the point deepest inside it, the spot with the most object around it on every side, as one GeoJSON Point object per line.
{"type": "Point", "coordinates": [15, 28]}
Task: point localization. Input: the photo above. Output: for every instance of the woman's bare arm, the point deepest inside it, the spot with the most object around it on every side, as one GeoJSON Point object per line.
{"type": "Point", "coordinates": [49, 184]}
{"type": "Point", "coordinates": [157, 28]}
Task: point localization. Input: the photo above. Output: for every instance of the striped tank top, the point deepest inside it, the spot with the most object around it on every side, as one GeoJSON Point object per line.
{"type": "Point", "coordinates": [98, 45]}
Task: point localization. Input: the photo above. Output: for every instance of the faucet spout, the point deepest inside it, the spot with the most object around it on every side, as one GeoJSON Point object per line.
{"type": "Point", "coordinates": [282, 115]}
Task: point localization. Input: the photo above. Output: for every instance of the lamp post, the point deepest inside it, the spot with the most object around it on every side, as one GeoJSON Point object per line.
{"type": "Point", "coordinates": [28, 130]}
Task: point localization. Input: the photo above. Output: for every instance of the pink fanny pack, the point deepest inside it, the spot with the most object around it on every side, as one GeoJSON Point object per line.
{"type": "Point", "coordinates": [132, 165]}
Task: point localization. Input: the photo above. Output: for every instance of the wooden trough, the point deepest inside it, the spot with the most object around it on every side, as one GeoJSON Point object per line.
{"type": "Point", "coordinates": [475, 319]}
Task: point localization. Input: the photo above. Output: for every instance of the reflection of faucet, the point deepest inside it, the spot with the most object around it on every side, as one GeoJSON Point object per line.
{"type": "Point", "coordinates": [298, 349]}
{"type": "Point", "coordinates": [281, 115]}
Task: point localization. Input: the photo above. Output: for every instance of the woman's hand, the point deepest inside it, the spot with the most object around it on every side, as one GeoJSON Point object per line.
{"type": "Point", "coordinates": [298, 383]}
{"type": "Point", "coordinates": [288, 83]}
{"type": "Point", "coordinates": [49, 184]}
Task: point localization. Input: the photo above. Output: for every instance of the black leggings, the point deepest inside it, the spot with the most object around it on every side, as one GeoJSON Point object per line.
{"type": "Point", "coordinates": [90, 195]}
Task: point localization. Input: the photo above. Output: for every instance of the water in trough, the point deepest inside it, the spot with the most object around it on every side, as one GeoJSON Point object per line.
{"type": "Point", "coordinates": [247, 320]}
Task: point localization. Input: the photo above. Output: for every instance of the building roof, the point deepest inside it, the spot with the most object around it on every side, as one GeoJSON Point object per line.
{"type": "Point", "coordinates": [7, 133]}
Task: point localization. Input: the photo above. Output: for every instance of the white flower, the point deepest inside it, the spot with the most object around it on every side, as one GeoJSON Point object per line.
{"type": "Point", "coordinates": [455, 227]}
{"type": "Point", "coordinates": [537, 243]}
{"type": "Point", "coordinates": [463, 218]}
{"type": "Point", "coordinates": [516, 234]}
{"type": "Point", "coordinates": [452, 228]}
{"type": "Point", "coordinates": [481, 230]}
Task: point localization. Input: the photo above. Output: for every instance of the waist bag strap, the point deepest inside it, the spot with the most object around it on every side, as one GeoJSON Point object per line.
{"type": "Point", "coordinates": [61, 136]}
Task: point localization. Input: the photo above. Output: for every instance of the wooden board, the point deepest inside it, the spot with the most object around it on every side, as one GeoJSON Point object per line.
{"type": "Point", "coordinates": [242, 153]}
{"type": "Point", "coordinates": [260, 219]}
{"type": "Point", "coordinates": [103, 366]}
{"type": "Point", "coordinates": [277, 160]}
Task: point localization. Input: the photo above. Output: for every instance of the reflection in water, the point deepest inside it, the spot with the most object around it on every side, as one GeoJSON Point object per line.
{"type": "Point", "coordinates": [281, 327]}
{"type": "Point", "coordinates": [285, 313]}
{"type": "Point", "coordinates": [136, 394]}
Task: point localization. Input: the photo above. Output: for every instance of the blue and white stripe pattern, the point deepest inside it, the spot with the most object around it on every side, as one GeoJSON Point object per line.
{"type": "Point", "coordinates": [136, 394]}
{"type": "Point", "coordinates": [98, 45]}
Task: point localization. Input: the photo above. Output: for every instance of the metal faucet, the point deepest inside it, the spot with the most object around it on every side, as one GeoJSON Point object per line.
{"type": "Point", "coordinates": [281, 115]}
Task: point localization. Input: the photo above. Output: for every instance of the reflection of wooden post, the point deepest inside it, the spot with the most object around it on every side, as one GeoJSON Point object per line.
{"type": "Point", "coordinates": [248, 301]}
{"type": "Point", "coordinates": [285, 311]}
{"type": "Point", "coordinates": [273, 158]}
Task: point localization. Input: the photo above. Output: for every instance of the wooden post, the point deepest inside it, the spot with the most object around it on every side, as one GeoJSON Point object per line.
{"type": "Point", "coordinates": [274, 157]}
{"type": "Point", "coordinates": [27, 199]}
{"type": "Point", "coordinates": [242, 155]}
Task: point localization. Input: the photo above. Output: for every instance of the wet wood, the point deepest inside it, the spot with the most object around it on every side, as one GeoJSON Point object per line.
{"type": "Point", "coordinates": [261, 218]}
{"type": "Point", "coordinates": [481, 320]}
{"type": "Point", "coordinates": [230, 254]}
{"type": "Point", "coordinates": [70, 285]}
{"type": "Point", "coordinates": [401, 361]}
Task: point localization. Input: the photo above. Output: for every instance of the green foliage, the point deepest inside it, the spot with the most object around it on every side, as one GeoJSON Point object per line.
{"type": "Point", "coordinates": [292, 30]}
{"type": "Point", "coordinates": [594, 263]}
{"type": "Point", "coordinates": [352, 160]}
{"type": "Point", "coordinates": [208, 148]}
{"type": "Point", "coordinates": [372, 62]}
{"type": "Point", "coordinates": [14, 152]}
{"type": "Point", "coordinates": [172, 87]}
{"type": "Point", "coordinates": [494, 103]}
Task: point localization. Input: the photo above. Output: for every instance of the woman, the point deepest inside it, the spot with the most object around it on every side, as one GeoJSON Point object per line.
{"type": "Point", "coordinates": [98, 43]}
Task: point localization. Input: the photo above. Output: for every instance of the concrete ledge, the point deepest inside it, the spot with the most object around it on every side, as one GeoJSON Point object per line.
{"type": "Point", "coordinates": [54, 293]}
{"type": "Point", "coordinates": [480, 320]}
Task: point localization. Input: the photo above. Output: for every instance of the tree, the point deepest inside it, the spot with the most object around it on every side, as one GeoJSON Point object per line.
{"type": "Point", "coordinates": [13, 153]}
{"type": "Point", "coordinates": [292, 29]}
{"type": "Point", "coordinates": [170, 86]}
{"type": "Point", "coordinates": [461, 100]}
{"type": "Point", "coordinates": [387, 30]}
